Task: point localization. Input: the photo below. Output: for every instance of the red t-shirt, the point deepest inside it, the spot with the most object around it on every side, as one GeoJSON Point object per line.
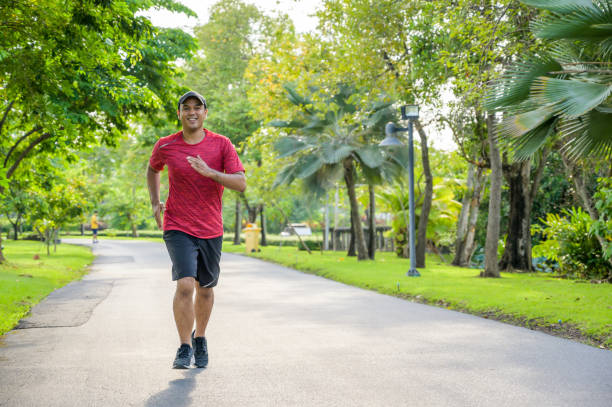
{"type": "Point", "coordinates": [194, 201]}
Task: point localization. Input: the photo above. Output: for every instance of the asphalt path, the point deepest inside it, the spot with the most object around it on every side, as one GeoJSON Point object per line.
{"type": "Point", "coordinates": [278, 337]}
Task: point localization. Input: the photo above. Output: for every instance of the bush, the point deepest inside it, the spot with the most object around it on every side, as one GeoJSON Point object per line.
{"type": "Point", "coordinates": [571, 243]}
{"type": "Point", "coordinates": [312, 245]}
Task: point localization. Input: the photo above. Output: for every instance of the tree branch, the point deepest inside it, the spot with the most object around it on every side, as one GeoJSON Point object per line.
{"type": "Point", "coordinates": [6, 112]}
{"type": "Point", "coordinates": [25, 152]}
{"type": "Point", "coordinates": [34, 130]}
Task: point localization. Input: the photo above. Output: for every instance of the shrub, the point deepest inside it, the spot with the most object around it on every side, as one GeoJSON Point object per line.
{"type": "Point", "coordinates": [571, 243]}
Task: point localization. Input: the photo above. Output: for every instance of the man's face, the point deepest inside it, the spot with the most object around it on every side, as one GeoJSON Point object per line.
{"type": "Point", "coordinates": [192, 114]}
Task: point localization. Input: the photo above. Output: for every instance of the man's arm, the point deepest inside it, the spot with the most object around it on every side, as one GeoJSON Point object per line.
{"type": "Point", "coordinates": [156, 204]}
{"type": "Point", "coordinates": [236, 181]}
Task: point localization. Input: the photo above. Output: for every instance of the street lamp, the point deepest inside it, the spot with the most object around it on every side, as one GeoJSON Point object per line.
{"type": "Point", "coordinates": [410, 113]}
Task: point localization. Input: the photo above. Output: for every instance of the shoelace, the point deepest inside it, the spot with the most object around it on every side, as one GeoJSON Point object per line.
{"type": "Point", "coordinates": [183, 352]}
{"type": "Point", "coordinates": [199, 345]}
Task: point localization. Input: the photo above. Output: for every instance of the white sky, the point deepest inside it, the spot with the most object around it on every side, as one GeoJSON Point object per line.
{"type": "Point", "coordinates": [302, 14]}
{"type": "Point", "coordinates": [300, 11]}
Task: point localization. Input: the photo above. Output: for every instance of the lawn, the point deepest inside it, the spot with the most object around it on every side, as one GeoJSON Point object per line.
{"type": "Point", "coordinates": [568, 308]}
{"type": "Point", "coordinates": [24, 280]}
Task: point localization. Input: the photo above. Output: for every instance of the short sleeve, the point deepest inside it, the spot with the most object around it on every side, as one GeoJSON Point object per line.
{"type": "Point", "coordinates": [231, 161]}
{"type": "Point", "coordinates": [157, 161]}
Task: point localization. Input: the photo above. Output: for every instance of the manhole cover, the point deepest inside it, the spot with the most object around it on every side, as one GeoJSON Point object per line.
{"type": "Point", "coordinates": [113, 259]}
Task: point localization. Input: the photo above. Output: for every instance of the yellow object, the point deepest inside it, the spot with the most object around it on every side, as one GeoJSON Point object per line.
{"type": "Point", "coordinates": [251, 237]}
{"type": "Point", "coordinates": [94, 222]}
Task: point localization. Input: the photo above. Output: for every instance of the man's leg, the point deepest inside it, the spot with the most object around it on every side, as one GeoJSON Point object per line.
{"type": "Point", "coordinates": [183, 308]}
{"type": "Point", "coordinates": [205, 298]}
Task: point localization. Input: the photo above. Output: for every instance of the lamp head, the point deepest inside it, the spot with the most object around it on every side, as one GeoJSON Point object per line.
{"type": "Point", "coordinates": [410, 112]}
{"type": "Point", "coordinates": [390, 139]}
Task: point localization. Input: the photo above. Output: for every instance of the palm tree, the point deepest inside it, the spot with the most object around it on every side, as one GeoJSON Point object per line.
{"type": "Point", "coordinates": [566, 91]}
{"type": "Point", "coordinates": [328, 141]}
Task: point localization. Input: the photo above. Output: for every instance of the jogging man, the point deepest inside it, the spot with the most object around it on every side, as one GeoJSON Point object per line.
{"type": "Point", "coordinates": [200, 164]}
{"type": "Point", "coordinates": [94, 227]}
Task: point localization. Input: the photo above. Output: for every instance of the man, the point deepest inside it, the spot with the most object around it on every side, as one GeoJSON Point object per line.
{"type": "Point", "coordinates": [200, 164]}
{"type": "Point", "coordinates": [94, 227]}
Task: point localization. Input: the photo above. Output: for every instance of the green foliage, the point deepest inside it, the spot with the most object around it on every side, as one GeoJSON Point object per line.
{"type": "Point", "coordinates": [571, 243]}
{"type": "Point", "coordinates": [74, 73]}
{"type": "Point", "coordinates": [602, 227]}
{"type": "Point", "coordinates": [566, 91]}
{"type": "Point", "coordinates": [328, 132]}
{"type": "Point", "coordinates": [442, 217]}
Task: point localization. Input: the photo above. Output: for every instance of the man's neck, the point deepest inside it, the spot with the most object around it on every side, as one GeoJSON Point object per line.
{"type": "Point", "coordinates": [193, 136]}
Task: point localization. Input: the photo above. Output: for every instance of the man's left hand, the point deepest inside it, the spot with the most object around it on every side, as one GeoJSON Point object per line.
{"type": "Point", "coordinates": [200, 166]}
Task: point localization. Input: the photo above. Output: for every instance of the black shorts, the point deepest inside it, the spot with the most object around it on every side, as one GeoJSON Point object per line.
{"type": "Point", "coordinates": [194, 257]}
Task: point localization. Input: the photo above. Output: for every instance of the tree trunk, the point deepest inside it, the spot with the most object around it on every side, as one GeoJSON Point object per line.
{"type": "Point", "coordinates": [371, 223]}
{"type": "Point", "coordinates": [262, 218]}
{"type": "Point", "coordinates": [478, 193]}
{"type": "Point", "coordinates": [517, 252]}
{"type": "Point", "coordinates": [15, 231]}
{"type": "Point", "coordinates": [130, 218]}
{"type": "Point", "coordinates": [237, 222]}
{"type": "Point", "coordinates": [421, 237]}
{"type": "Point", "coordinates": [82, 229]}
{"type": "Point", "coordinates": [462, 221]}
{"type": "Point", "coordinates": [2, 258]}
{"type": "Point", "coordinates": [350, 185]}
{"type": "Point", "coordinates": [493, 221]}
{"type": "Point", "coordinates": [351, 246]}
{"type": "Point", "coordinates": [335, 234]}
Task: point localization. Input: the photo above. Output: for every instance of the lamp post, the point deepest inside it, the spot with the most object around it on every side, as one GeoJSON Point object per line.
{"type": "Point", "coordinates": [410, 113]}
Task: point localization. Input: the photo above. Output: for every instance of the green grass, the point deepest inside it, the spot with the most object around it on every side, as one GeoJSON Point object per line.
{"type": "Point", "coordinates": [24, 281]}
{"type": "Point", "coordinates": [536, 300]}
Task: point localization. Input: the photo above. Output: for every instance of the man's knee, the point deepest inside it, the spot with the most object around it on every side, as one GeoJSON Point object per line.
{"type": "Point", "coordinates": [184, 287]}
{"type": "Point", "coordinates": [204, 293]}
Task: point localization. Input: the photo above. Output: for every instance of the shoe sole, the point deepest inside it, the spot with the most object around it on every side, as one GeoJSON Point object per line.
{"type": "Point", "coordinates": [180, 367]}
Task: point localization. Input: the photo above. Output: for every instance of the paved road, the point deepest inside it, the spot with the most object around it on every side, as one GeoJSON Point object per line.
{"type": "Point", "coordinates": [279, 338]}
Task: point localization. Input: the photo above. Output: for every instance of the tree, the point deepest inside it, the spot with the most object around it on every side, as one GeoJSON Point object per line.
{"type": "Point", "coordinates": [562, 94]}
{"type": "Point", "coordinates": [73, 73]}
{"type": "Point", "coordinates": [330, 143]}
{"type": "Point", "coordinates": [56, 207]}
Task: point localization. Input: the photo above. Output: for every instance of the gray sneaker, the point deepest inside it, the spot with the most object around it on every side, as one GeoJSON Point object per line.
{"type": "Point", "coordinates": [200, 351]}
{"type": "Point", "coordinates": [183, 357]}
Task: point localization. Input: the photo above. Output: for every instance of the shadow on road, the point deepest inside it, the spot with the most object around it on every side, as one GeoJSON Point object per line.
{"type": "Point", "coordinates": [178, 392]}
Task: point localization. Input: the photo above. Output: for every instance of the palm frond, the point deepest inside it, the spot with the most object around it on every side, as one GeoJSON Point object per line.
{"type": "Point", "coordinates": [332, 153]}
{"type": "Point", "coordinates": [372, 176]}
{"type": "Point", "coordinates": [329, 174]}
{"type": "Point", "coordinates": [520, 124]}
{"type": "Point", "coordinates": [293, 124]}
{"type": "Point", "coordinates": [285, 176]}
{"type": "Point", "coordinates": [558, 6]}
{"type": "Point", "coordinates": [294, 97]}
{"type": "Point", "coordinates": [287, 146]}
{"type": "Point", "coordinates": [590, 134]}
{"type": "Point", "coordinates": [606, 49]}
{"type": "Point", "coordinates": [575, 22]}
{"type": "Point", "coordinates": [514, 85]}
{"type": "Point", "coordinates": [525, 146]}
{"type": "Point", "coordinates": [307, 165]}
{"type": "Point", "coordinates": [370, 156]}
{"type": "Point", "coordinates": [571, 98]}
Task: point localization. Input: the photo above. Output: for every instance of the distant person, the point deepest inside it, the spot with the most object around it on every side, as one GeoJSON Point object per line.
{"type": "Point", "coordinates": [94, 227]}
{"type": "Point", "coordinates": [200, 164]}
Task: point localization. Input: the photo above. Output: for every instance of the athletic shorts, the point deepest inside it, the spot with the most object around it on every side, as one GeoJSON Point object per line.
{"type": "Point", "coordinates": [95, 231]}
{"type": "Point", "coordinates": [194, 257]}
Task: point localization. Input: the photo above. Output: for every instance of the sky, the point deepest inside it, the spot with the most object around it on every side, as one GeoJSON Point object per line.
{"type": "Point", "coordinates": [300, 11]}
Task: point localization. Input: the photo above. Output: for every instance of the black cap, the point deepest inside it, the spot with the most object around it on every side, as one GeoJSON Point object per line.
{"type": "Point", "coordinates": [191, 94]}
